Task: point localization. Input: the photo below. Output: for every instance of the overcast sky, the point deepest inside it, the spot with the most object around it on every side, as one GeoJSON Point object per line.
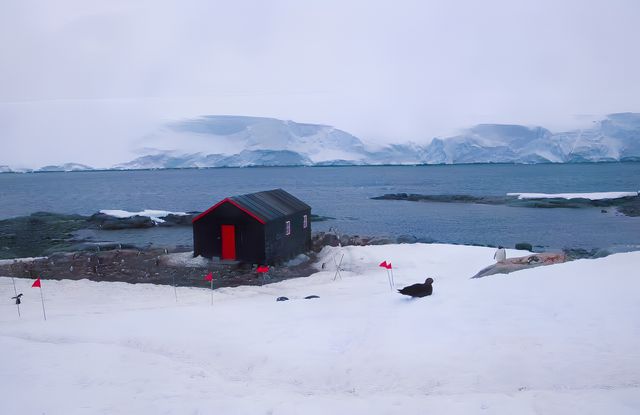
{"type": "Point", "coordinates": [84, 80]}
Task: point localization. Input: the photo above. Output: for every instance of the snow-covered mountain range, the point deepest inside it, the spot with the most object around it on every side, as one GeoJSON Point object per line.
{"type": "Point", "coordinates": [251, 141]}
{"type": "Point", "coordinates": [616, 138]}
{"type": "Point", "coordinates": [48, 168]}
{"type": "Point", "coordinates": [67, 167]}
{"type": "Point", "coordinates": [239, 141]}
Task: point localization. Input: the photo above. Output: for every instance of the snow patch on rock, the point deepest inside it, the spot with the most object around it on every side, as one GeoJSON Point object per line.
{"type": "Point", "coordinates": [589, 196]}
{"type": "Point", "coordinates": [154, 215]}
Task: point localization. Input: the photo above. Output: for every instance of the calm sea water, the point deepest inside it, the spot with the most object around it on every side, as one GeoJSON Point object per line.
{"type": "Point", "coordinates": [344, 193]}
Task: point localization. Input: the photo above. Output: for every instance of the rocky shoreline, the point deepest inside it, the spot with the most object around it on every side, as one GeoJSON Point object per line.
{"type": "Point", "coordinates": [46, 233]}
{"type": "Point", "coordinates": [176, 266]}
{"type": "Point", "coordinates": [171, 266]}
{"type": "Point", "coordinates": [61, 254]}
{"type": "Point", "coordinates": [154, 266]}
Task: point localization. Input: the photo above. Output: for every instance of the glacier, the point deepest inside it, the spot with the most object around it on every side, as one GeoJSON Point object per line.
{"type": "Point", "coordinates": [244, 141]}
{"type": "Point", "coordinates": [239, 141]}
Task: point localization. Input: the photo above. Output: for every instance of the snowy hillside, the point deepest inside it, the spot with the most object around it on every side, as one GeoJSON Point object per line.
{"type": "Point", "coordinates": [494, 143]}
{"type": "Point", "coordinates": [66, 167]}
{"type": "Point", "coordinates": [245, 158]}
{"type": "Point", "coordinates": [613, 139]}
{"type": "Point", "coordinates": [560, 339]}
{"type": "Point", "coordinates": [236, 141]}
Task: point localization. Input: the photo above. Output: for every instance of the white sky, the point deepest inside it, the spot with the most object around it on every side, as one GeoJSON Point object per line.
{"type": "Point", "coordinates": [84, 80]}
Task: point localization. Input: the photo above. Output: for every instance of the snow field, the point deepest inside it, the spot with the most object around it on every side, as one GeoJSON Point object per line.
{"type": "Point", "coordinates": [553, 340]}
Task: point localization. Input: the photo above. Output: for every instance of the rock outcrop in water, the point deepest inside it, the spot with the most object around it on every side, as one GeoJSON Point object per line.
{"type": "Point", "coordinates": [43, 233]}
{"type": "Point", "coordinates": [629, 205]}
{"type": "Point", "coordinates": [108, 222]}
{"type": "Point", "coordinates": [38, 234]}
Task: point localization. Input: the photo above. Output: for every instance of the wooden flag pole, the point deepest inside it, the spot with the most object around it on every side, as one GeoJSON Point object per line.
{"type": "Point", "coordinates": [38, 284]}
{"type": "Point", "coordinates": [387, 266]}
{"type": "Point", "coordinates": [338, 269]}
{"type": "Point", "coordinates": [209, 277]}
{"type": "Point", "coordinates": [16, 294]}
{"type": "Point", "coordinates": [44, 313]}
{"type": "Point", "coordinates": [175, 291]}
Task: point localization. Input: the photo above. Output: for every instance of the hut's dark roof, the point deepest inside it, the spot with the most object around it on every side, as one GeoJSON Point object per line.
{"type": "Point", "coordinates": [271, 204]}
{"type": "Point", "coordinates": [265, 206]}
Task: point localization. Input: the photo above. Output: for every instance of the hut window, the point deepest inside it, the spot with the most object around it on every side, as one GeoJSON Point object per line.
{"type": "Point", "coordinates": [304, 222]}
{"type": "Point", "coordinates": [288, 227]}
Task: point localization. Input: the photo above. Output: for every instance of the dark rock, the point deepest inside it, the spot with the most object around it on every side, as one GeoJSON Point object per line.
{"type": "Point", "coordinates": [380, 241]}
{"type": "Point", "coordinates": [309, 297]}
{"type": "Point", "coordinates": [579, 253]}
{"type": "Point", "coordinates": [319, 218]}
{"type": "Point", "coordinates": [282, 299]}
{"type": "Point", "coordinates": [524, 246]}
{"type": "Point", "coordinates": [108, 222]}
{"type": "Point", "coordinates": [322, 239]}
{"type": "Point", "coordinates": [490, 200]}
{"type": "Point", "coordinates": [628, 205]}
{"type": "Point", "coordinates": [152, 265]}
{"type": "Point", "coordinates": [330, 239]}
{"type": "Point", "coordinates": [178, 220]}
{"type": "Point", "coordinates": [38, 234]}
{"type": "Point", "coordinates": [406, 239]}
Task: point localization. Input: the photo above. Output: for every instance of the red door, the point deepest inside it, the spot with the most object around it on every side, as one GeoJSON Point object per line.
{"type": "Point", "coordinates": [228, 242]}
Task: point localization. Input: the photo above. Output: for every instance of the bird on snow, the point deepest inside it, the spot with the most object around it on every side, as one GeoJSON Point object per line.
{"type": "Point", "coordinates": [418, 290]}
{"type": "Point", "coordinates": [17, 298]}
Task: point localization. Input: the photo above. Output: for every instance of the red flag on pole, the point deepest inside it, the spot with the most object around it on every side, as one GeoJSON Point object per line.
{"type": "Point", "coordinates": [209, 277]}
{"type": "Point", "coordinates": [36, 284]}
{"type": "Point", "coordinates": [262, 269]}
{"type": "Point", "coordinates": [385, 264]}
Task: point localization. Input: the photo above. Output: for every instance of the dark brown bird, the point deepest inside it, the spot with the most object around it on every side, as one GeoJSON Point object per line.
{"type": "Point", "coordinates": [418, 290]}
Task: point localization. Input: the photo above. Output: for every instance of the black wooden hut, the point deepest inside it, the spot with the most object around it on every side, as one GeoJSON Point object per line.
{"type": "Point", "coordinates": [258, 228]}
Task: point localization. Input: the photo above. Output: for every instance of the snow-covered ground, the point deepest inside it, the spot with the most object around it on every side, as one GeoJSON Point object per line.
{"type": "Point", "coordinates": [562, 339]}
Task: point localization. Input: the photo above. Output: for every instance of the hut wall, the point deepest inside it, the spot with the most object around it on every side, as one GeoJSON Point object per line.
{"type": "Point", "coordinates": [250, 234]}
{"type": "Point", "coordinates": [280, 247]}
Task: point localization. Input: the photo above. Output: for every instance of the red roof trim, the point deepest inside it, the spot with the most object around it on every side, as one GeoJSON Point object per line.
{"type": "Point", "coordinates": [227, 200]}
